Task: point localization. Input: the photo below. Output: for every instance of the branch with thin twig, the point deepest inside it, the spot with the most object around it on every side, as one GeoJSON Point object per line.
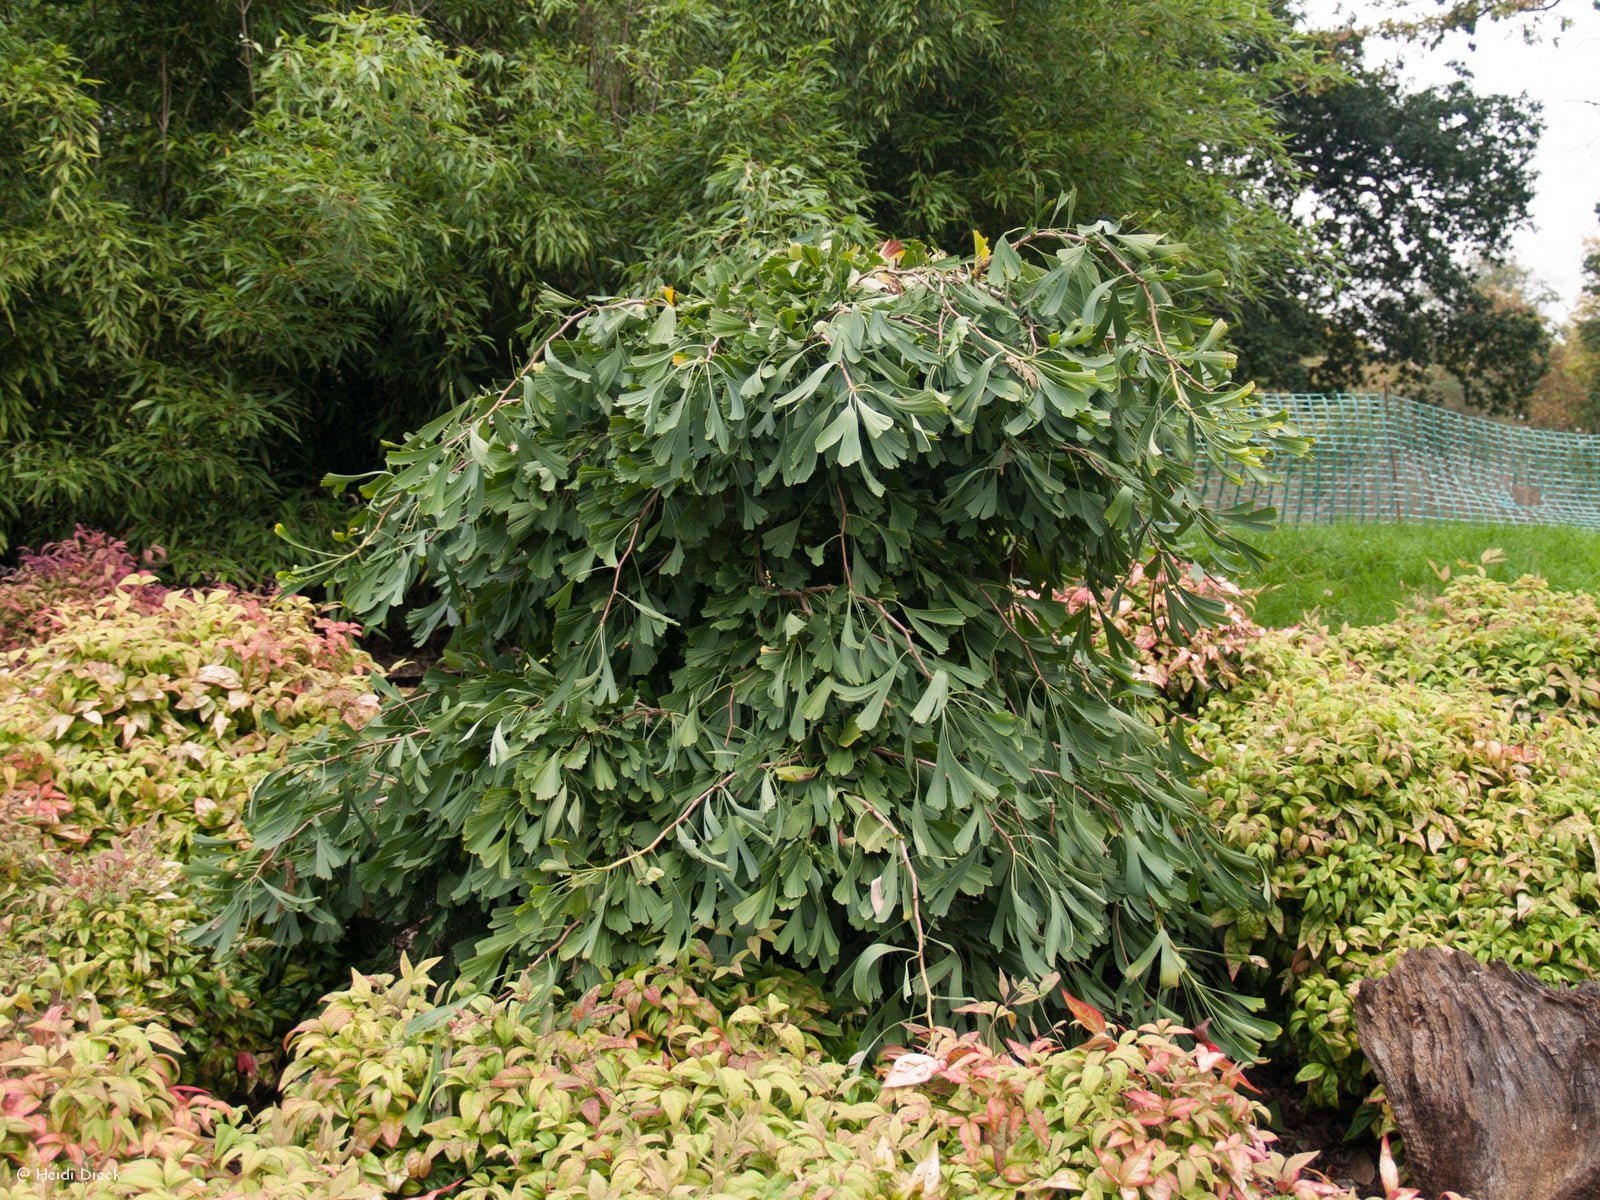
{"type": "Point", "coordinates": [916, 907]}
{"type": "Point", "coordinates": [616, 576]}
{"type": "Point", "coordinates": [688, 812]}
{"type": "Point", "coordinates": [844, 545]}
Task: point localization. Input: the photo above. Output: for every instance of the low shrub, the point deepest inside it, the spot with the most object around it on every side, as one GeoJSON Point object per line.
{"type": "Point", "coordinates": [136, 726]}
{"type": "Point", "coordinates": [652, 1086]}
{"type": "Point", "coordinates": [1534, 648]}
{"type": "Point", "coordinates": [112, 922]}
{"type": "Point", "coordinates": [80, 570]}
{"type": "Point", "coordinates": [1434, 781]}
{"type": "Point", "coordinates": [673, 1082]}
{"type": "Point", "coordinates": [91, 1107]}
{"type": "Point", "coordinates": [138, 710]}
{"type": "Point", "coordinates": [494, 1089]}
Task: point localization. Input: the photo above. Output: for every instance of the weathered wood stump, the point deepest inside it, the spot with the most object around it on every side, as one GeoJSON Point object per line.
{"type": "Point", "coordinates": [1494, 1077]}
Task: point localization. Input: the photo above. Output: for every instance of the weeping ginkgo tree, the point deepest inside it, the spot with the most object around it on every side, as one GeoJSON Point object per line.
{"type": "Point", "coordinates": [754, 637]}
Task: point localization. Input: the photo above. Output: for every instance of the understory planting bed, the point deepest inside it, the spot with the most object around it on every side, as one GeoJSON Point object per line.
{"type": "Point", "coordinates": [802, 799]}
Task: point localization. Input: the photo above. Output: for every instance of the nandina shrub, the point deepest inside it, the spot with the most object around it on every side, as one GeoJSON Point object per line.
{"type": "Point", "coordinates": [1532, 647]}
{"type": "Point", "coordinates": [61, 1102]}
{"type": "Point", "coordinates": [111, 922]}
{"type": "Point", "coordinates": [91, 1107]}
{"type": "Point", "coordinates": [665, 1081]}
{"type": "Point", "coordinates": [1180, 660]}
{"type": "Point", "coordinates": [662, 1082]}
{"type": "Point", "coordinates": [1433, 781]}
{"type": "Point", "coordinates": [754, 630]}
{"type": "Point", "coordinates": [32, 809]}
{"type": "Point", "coordinates": [138, 709]}
{"type": "Point", "coordinates": [60, 575]}
{"type": "Point", "coordinates": [134, 728]}
{"type": "Point", "coordinates": [459, 1083]}
{"type": "Point", "coordinates": [150, 704]}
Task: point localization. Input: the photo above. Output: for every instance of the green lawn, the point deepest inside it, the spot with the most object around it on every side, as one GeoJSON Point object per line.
{"type": "Point", "coordinates": [1357, 573]}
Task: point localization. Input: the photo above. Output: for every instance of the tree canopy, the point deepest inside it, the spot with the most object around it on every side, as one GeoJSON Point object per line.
{"type": "Point", "coordinates": [243, 244]}
{"type": "Point", "coordinates": [1408, 194]}
{"type": "Point", "coordinates": [1582, 347]}
{"type": "Point", "coordinates": [239, 243]}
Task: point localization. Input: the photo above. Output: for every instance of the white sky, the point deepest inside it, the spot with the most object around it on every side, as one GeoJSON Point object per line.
{"type": "Point", "coordinates": [1562, 71]}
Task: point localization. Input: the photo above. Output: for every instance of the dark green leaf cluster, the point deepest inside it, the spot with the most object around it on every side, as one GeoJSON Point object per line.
{"type": "Point", "coordinates": [755, 633]}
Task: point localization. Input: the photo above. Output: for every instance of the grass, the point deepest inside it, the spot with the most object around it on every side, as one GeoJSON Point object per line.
{"type": "Point", "coordinates": [1356, 574]}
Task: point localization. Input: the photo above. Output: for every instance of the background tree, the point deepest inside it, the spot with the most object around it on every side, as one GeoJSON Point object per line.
{"type": "Point", "coordinates": [1568, 397]}
{"type": "Point", "coordinates": [1586, 329]}
{"type": "Point", "coordinates": [1497, 346]}
{"type": "Point", "coordinates": [1561, 398]}
{"type": "Point", "coordinates": [1432, 20]}
{"type": "Point", "coordinates": [1410, 194]}
{"type": "Point", "coordinates": [239, 243]}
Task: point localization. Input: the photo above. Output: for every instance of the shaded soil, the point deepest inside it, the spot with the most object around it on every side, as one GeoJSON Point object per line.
{"type": "Point", "coordinates": [1351, 1164]}
{"type": "Point", "coordinates": [402, 663]}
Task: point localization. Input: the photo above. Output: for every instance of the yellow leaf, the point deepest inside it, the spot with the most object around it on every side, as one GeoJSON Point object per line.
{"type": "Point", "coordinates": [675, 1102]}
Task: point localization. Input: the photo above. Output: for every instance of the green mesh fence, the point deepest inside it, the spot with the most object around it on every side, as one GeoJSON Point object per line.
{"type": "Point", "coordinates": [1386, 458]}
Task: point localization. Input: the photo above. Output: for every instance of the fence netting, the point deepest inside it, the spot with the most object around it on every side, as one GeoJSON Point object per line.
{"type": "Point", "coordinates": [1380, 457]}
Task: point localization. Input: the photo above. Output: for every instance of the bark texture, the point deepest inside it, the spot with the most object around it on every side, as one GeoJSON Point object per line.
{"type": "Point", "coordinates": [1494, 1077]}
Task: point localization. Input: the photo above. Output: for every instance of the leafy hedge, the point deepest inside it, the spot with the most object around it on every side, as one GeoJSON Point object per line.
{"type": "Point", "coordinates": [111, 923]}
{"type": "Point", "coordinates": [662, 1082]}
{"type": "Point", "coordinates": [133, 721]}
{"type": "Point", "coordinates": [722, 1082]}
{"type": "Point", "coordinates": [81, 570]}
{"type": "Point", "coordinates": [1432, 781]}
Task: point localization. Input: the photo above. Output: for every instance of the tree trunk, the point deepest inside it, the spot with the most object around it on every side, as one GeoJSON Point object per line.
{"type": "Point", "coordinates": [1494, 1077]}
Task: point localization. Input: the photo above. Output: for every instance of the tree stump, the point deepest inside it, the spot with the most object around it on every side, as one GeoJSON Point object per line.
{"type": "Point", "coordinates": [1494, 1077]}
